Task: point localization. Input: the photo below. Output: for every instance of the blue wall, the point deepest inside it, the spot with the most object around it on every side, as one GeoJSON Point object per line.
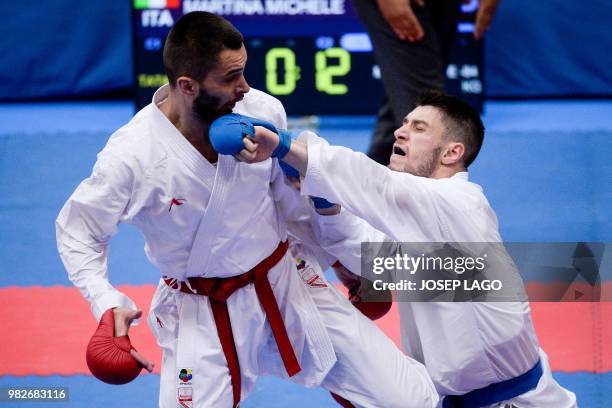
{"type": "Point", "coordinates": [550, 48]}
{"type": "Point", "coordinates": [70, 48]}
{"type": "Point", "coordinates": [64, 48]}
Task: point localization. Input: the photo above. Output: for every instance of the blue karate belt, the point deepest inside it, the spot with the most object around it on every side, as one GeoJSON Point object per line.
{"type": "Point", "coordinates": [498, 392]}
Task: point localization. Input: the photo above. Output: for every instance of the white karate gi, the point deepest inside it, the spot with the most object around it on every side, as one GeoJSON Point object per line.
{"type": "Point", "coordinates": [465, 346]}
{"type": "Point", "coordinates": [200, 220]}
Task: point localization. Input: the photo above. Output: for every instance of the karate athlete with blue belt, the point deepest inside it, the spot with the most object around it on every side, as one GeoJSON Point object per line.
{"type": "Point", "coordinates": [478, 354]}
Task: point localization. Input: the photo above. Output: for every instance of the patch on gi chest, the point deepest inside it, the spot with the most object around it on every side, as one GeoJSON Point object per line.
{"type": "Point", "coordinates": [308, 274]}
{"type": "Point", "coordinates": [176, 202]}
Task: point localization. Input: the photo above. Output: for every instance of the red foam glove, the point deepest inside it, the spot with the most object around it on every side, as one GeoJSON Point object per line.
{"type": "Point", "coordinates": [109, 358]}
{"type": "Point", "coordinates": [372, 303]}
{"type": "Point", "coordinates": [374, 309]}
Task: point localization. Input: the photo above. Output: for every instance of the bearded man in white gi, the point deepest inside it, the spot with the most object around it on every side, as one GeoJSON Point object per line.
{"type": "Point", "coordinates": [478, 354]}
{"type": "Point", "coordinates": [233, 304]}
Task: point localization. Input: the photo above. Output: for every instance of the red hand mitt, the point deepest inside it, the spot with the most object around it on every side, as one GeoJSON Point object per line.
{"type": "Point", "coordinates": [108, 357]}
{"type": "Point", "coordinates": [374, 309]}
{"type": "Point", "coordinates": [372, 303]}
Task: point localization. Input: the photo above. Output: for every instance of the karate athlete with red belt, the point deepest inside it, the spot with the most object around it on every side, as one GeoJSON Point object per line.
{"type": "Point", "coordinates": [233, 303]}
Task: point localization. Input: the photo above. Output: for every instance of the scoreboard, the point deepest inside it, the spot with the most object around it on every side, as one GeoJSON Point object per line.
{"type": "Point", "coordinates": [313, 55]}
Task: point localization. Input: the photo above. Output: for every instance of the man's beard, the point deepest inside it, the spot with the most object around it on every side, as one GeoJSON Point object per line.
{"type": "Point", "coordinates": [427, 167]}
{"type": "Point", "coordinates": [205, 107]}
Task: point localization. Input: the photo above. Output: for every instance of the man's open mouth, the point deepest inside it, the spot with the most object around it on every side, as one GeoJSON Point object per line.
{"type": "Point", "coordinates": [398, 150]}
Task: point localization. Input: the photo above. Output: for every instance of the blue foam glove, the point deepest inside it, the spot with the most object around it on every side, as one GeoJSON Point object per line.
{"type": "Point", "coordinates": [289, 170]}
{"type": "Point", "coordinates": [226, 134]}
{"type": "Point", "coordinates": [321, 203]}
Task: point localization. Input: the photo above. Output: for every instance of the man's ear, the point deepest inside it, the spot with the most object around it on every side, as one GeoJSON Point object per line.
{"type": "Point", "coordinates": [453, 153]}
{"type": "Point", "coordinates": [187, 86]}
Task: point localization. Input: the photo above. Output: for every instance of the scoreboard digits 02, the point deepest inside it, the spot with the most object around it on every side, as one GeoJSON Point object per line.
{"type": "Point", "coordinates": [309, 72]}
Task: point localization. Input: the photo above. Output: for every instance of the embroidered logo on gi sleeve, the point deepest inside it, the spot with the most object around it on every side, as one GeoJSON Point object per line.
{"type": "Point", "coordinates": [176, 201]}
{"type": "Point", "coordinates": [308, 274]}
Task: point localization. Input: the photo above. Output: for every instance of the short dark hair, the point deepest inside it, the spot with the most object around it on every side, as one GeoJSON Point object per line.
{"type": "Point", "coordinates": [462, 122]}
{"type": "Point", "coordinates": [194, 44]}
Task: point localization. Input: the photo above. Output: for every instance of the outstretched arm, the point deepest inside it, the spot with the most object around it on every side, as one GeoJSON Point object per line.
{"type": "Point", "coordinates": [397, 204]}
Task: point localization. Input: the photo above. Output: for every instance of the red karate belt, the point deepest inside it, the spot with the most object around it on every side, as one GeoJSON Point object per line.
{"type": "Point", "coordinates": [220, 289]}
{"type": "Point", "coordinates": [344, 403]}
